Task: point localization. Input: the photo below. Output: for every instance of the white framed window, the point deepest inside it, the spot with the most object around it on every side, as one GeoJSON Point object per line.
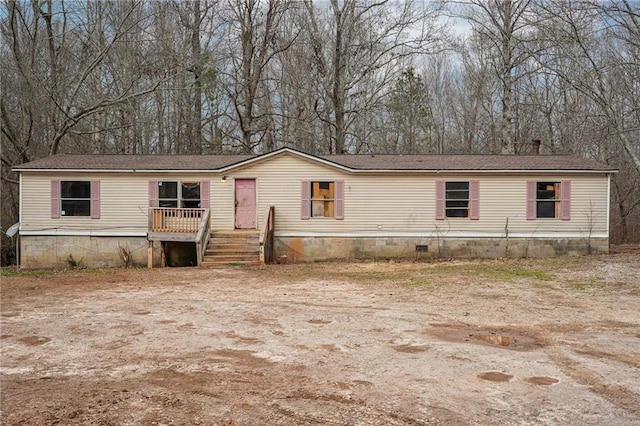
{"type": "Point", "coordinates": [457, 199]}
{"type": "Point", "coordinates": [75, 198]}
{"type": "Point", "coordinates": [547, 199]}
{"type": "Point", "coordinates": [179, 194]}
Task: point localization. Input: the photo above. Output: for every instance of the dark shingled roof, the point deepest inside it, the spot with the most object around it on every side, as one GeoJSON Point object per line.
{"type": "Point", "coordinates": [353, 162]}
{"type": "Point", "coordinates": [467, 162]}
{"type": "Point", "coordinates": [135, 162]}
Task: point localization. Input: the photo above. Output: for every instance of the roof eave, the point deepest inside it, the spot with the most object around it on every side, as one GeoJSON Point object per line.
{"type": "Point", "coordinates": [284, 150]}
{"type": "Point", "coordinates": [475, 171]}
{"type": "Point", "coordinates": [344, 168]}
{"type": "Point", "coordinates": [121, 170]}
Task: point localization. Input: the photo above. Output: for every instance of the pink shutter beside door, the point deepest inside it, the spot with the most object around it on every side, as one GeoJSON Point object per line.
{"type": "Point", "coordinates": [305, 200]}
{"type": "Point", "coordinates": [55, 199]}
{"type": "Point", "coordinates": [205, 194]}
{"type": "Point", "coordinates": [339, 200]}
{"type": "Point", "coordinates": [565, 200]}
{"type": "Point", "coordinates": [95, 199]}
{"type": "Point", "coordinates": [531, 200]}
{"type": "Point", "coordinates": [440, 194]}
{"type": "Point", "coordinates": [153, 193]}
{"type": "Point", "coordinates": [474, 200]}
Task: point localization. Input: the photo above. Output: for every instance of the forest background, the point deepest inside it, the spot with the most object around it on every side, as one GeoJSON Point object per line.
{"type": "Point", "coordinates": [325, 77]}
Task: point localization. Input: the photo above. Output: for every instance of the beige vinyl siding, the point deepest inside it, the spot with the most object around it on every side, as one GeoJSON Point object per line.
{"type": "Point", "coordinates": [124, 202]}
{"type": "Point", "coordinates": [278, 183]}
{"type": "Point", "coordinates": [405, 202]}
{"type": "Point", "coordinates": [382, 203]}
{"type": "Point", "coordinates": [503, 197]}
{"type": "Point", "coordinates": [223, 203]}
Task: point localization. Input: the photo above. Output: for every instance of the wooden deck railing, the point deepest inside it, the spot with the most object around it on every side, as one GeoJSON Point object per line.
{"type": "Point", "coordinates": [202, 237]}
{"type": "Point", "coordinates": [266, 236]}
{"type": "Point", "coordinates": [166, 219]}
{"type": "Point", "coordinates": [178, 224]}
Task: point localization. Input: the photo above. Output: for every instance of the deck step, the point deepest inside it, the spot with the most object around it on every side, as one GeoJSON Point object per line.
{"type": "Point", "coordinates": [232, 248]}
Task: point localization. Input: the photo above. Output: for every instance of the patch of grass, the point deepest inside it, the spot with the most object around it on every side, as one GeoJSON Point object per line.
{"type": "Point", "coordinates": [513, 272]}
{"type": "Point", "coordinates": [421, 282]}
{"type": "Point", "coordinates": [15, 272]}
{"type": "Point", "coordinates": [370, 276]}
{"type": "Point", "coordinates": [549, 273]}
{"type": "Point", "coordinates": [424, 275]}
{"type": "Point", "coordinates": [497, 270]}
{"type": "Point", "coordinates": [583, 284]}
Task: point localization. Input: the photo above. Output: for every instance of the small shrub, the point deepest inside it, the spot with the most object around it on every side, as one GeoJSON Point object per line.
{"type": "Point", "coordinates": [72, 262]}
{"type": "Point", "coordinates": [125, 256]}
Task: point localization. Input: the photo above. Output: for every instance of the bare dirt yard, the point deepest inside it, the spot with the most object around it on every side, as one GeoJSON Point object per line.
{"type": "Point", "coordinates": [553, 341]}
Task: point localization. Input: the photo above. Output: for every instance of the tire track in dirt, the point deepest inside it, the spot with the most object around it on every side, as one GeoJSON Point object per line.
{"type": "Point", "coordinates": [618, 395]}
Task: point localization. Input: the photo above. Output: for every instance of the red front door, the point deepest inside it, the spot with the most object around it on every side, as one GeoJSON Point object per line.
{"type": "Point", "coordinates": [245, 203]}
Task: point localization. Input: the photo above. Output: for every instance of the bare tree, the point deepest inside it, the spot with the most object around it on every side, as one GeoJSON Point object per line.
{"type": "Point", "coordinates": [597, 55]}
{"type": "Point", "coordinates": [359, 48]}
{"type": "Point", "coordinates": [475, 124]}
{"type": "Point", "coordinates": [65, 91]}
{"type": "Point", "coordinates": [254, 37]}
{"type": "Point", "coordinates": [505, 24]}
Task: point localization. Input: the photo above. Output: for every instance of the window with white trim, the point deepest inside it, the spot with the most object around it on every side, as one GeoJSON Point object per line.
{"type": "Point", "coordinates": [457, 199]}
{"type": "Point", "coordinates": [80, 198]}
{"type": "Point", "coordinates": [548, 199]}
{"type": "Point", "coordinates": [75, 198]}
{"type": "Point", "coordinates": [179, 194]}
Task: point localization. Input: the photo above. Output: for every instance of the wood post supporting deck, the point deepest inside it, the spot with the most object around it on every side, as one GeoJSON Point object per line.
{"type": "Point", "coordinates": [150, 255]}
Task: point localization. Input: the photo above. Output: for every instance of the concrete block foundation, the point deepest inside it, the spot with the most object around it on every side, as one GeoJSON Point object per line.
{"type": "Point", "coordinates": [91, 252]}
{"type": "Point", "coordinates": [309, 249]}
{"type": "Point", "coordinates": [102, 252]}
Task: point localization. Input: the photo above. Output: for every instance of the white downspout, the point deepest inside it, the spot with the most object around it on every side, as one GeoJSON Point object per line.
{"type": "Point", "coordinates": [608, 204]}
{"type": "Point", "coordinates": [18, 242]}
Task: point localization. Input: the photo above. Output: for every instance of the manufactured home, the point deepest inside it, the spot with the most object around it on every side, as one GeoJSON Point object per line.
{"type": "Point", "coordinates": [110, 210]}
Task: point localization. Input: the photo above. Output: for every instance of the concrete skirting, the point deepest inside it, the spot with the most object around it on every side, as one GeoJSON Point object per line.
{"type": "Point", "coordinates": [100, 252]}
{"type": "Point", "coordinates": [92, 252]}
{"type": "Point", "coordinates": [307, 249]}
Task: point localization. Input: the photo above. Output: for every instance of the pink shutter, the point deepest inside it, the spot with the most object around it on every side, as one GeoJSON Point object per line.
{"type": "Point", "coordinates": [531, 200]}
{"type": "Point", "coordinates": [95, 199]}
{"type": "Point", "coordinates": [474, 200]}
{"type": "Point", "coordinates": [205, 194]}
{"type": "Point", "coordinates": [153, 193]}
{"type": "Point", "coordinates": [339, 200]}
{"type": "Point", "coordinates": [55, 198]}
{"type": "Point", "coordinates": [565, 200]}
{"type": "Point", "coordinates": [440, 195]}
{"type": "Point", "coordinates": [305, 200]}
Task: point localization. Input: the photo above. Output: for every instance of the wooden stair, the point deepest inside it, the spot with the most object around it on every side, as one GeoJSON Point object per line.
{"type": "Point", "coordinates": [229, 248]}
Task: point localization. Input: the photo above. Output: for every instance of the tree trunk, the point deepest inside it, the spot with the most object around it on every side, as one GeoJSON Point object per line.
{"type": "Point", "coordinates": [196, 49]}
{"type": "Point", "coordinates": [337, 95]}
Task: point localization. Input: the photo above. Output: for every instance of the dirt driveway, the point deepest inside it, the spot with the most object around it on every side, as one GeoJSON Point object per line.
{"type": "Point", "coordinates": [373, 343]}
